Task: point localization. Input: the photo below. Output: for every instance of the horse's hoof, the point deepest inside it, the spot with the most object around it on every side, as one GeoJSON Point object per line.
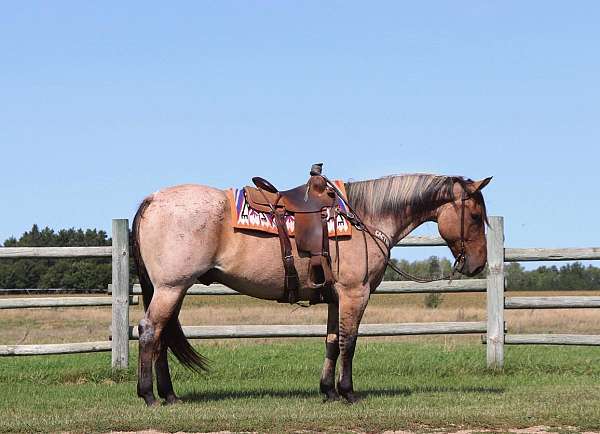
{"type": "Point", "coordinates": [152, 402]}
{"type": "Point", "coordinates": [171, 400]}
{"type": "Point", "coordinates": [331, 396]}
{"type": "Point", "coordinates": [351, 397]}
{"type": "Point", "coordinates": [329, 391]}
{"type": "Point", "coordinates": [347, 393]}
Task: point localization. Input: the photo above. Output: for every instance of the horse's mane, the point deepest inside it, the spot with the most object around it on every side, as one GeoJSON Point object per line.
{"type": "Point", "coordinates": [393, 195]}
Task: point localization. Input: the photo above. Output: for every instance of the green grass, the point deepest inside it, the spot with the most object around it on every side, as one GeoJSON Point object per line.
{"type": "Point", "coordinates": [274, 387]}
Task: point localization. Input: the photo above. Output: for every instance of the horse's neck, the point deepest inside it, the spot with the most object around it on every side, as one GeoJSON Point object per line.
{"type": "Point", "coordinates": [404, 219]}
{"type": "Point", "coordinates": [396, 228]}
{"type": "Point", "coordinates": [405, 229]}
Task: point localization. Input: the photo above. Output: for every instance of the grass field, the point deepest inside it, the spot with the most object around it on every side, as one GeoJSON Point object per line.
{"type": "Point", "coordinates": [272, 385]}
{"type": "Point", "coordinates": [274, 388]}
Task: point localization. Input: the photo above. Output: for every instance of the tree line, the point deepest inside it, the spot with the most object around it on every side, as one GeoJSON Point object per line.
{"type": "Point", "coordinates": [68, 273]}
{"type": "Point", "coordinates": [95, 273]}
{"type": "Point", "coordinates": [568, 277]}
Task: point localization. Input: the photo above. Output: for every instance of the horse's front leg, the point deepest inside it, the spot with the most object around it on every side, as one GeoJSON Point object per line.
{"type": "Point", "coordinates": [352, 303]}
{"type": "Point", "coordinates": [332, 351]}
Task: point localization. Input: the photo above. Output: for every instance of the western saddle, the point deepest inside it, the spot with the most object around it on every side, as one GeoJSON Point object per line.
{"type": "Point", "coordinates": [311, 204]}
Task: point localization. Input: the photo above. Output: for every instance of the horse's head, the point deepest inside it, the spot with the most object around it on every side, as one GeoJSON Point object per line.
{"type": "Point", "coordinates": [461, 222]}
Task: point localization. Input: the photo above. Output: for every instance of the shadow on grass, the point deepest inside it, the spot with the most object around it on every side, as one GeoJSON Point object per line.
{"type": "Point", "coordinates": [303, 393]}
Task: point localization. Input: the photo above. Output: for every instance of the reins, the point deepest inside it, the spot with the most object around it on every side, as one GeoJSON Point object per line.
{"type": "Point", "coordinates": [458, 262]}
{"type": "Point", "coordinates": [378, 235]}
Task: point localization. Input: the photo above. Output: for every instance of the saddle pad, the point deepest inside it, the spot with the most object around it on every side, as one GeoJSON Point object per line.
{"type": "Point", "coordinates": [244, 217]}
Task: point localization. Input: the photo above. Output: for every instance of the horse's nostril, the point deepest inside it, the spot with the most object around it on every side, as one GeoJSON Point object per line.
{"type": "Point", "coordinates": [478, 270]}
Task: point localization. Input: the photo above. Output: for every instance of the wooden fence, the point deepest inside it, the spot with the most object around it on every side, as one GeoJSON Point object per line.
{"type": "Point", "coordinates": [493, 329]}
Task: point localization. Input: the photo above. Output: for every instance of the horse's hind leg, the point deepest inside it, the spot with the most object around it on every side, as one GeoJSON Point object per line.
{"type": "Point", "coordinates": [163, 376]}
{"type": "Point", "coordinates": [332, 351]}
{"type": "Point", "coordinates": [146, 354]}
{"type": "Point", "coordinates": [164, 304]}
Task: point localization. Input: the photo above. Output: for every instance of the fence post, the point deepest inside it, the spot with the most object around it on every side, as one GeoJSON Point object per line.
{"type": "Point", "coordinates": [495, 293]}
{"type": "Point", "coordinates": [120, 294]}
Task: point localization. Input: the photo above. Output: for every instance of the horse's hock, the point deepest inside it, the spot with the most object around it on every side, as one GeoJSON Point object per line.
{"type": "Point", "coordinates": [493, 330]}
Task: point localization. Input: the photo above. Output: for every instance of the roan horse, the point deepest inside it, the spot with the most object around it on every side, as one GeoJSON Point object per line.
{"type": "Point", "coordinates": [184, 234]}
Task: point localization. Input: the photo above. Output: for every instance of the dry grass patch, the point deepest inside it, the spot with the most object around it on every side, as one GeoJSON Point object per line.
{"type": "Point", "coordinates": [55, 325]}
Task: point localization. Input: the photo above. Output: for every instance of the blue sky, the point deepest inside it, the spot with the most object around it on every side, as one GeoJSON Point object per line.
{"type": "Point", "coordinates": [105, 102]}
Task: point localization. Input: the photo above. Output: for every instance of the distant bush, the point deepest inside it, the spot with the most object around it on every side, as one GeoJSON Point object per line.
{"type": "Point", "coordinates": [433, 300]}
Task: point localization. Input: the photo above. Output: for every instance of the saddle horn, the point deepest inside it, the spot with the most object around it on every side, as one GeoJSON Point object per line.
{"type": "Point", "coordinates": [316, 169]}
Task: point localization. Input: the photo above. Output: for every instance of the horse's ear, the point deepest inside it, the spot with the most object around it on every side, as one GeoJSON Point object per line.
{"type": "Point", "coordinates": [476, 186]}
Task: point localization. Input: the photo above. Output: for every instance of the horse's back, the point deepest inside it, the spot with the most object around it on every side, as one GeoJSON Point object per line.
{"type": "Point", "coordinates": [189, 195]}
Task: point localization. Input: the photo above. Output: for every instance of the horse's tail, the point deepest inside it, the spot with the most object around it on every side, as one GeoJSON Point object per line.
{"type": "Point", "coordinates": [172, 334]}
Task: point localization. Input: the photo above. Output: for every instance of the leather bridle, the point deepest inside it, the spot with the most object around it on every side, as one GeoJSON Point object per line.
{"type": "Point", "coordinates": [378, 235]}
{"type": "Point", "coordinates": [459, 261]}
{"type": "Point", "coordinates": [462, 255]}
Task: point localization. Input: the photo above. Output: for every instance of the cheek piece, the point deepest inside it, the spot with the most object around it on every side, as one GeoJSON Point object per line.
{"type": "Point", "coordinates": [459, 262]}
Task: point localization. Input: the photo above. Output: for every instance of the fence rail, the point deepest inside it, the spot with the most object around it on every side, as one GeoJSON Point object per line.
{"type": "Point", "coordinates": [318, 330]}
{"type": "Point", "coordinates": [71, 348]}
{"type": "Point", "coordinates": [494, 330]}
{"type": "Point", "coordinates": [40, 302]}
{"type": "Point", "coordinates": [386, 287]}
{"type": "Point", "coordinates": [566, 254]}
{"type": "Point", "coordinates": [55, 252]}
{"type": "Point", "coordinates": [37, 291]}
{"type": "Point", "coordinates": [552, 339]}
{"type": "Point", "coordinates": [422, 241]}
{"type": "Point", "coordinates": [560, 302]}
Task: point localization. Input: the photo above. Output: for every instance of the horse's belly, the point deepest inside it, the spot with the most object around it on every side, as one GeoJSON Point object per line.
{"type": "Point", "coordinates": [268, 286]}
{"type": "Point", "coordinates": [252, 264]}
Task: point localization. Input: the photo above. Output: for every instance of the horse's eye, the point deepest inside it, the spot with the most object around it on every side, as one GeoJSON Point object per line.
{"type": "Point", "coordinates": [476, 217]}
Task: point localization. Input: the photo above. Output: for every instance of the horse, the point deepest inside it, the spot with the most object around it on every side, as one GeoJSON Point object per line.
{"type": "Point", "coordinates": [182, 235]}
